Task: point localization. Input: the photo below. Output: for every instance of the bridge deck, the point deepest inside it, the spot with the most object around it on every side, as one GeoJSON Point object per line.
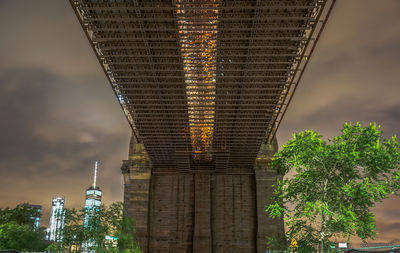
{"type": "Point", "coordinates": [203, 83]}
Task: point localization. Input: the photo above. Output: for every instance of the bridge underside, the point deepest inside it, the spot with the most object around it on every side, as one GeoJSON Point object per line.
{"type": "Point", "coordinates": [204, 85]}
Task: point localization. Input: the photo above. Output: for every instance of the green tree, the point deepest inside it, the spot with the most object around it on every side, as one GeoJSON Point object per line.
{"type": "Point", "coordinates": [102, 222]}
{"type": "Point", "coordinates": [335, 185]}
{"type": "Point", "coordinates": [22, 214]}
{"type": "Point", "coordinates": [17, 230]}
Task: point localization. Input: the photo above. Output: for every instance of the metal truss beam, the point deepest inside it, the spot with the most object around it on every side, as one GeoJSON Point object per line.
{"type": "Point", "coordinates": [203, 81]}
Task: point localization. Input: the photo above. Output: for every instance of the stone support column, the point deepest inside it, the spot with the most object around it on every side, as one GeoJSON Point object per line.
{"type": "Point", "coordinates": [233, 214]}
{"type": "Point", "coordinates": [265, 179]}
{"type": "Point", "coordinates": [202, 212]}
{"type": "Point", "coordinates": [171, 213]}
{"type": "Point", "coordinates": [137, 175]}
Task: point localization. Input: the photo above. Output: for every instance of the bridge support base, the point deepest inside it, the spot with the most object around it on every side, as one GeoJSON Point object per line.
{"type": "Point", "coordinates": [201, 212]}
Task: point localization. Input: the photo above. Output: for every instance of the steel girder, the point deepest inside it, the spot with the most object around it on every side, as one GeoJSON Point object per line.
{"type": "Point", "coordinates": [203, 83]}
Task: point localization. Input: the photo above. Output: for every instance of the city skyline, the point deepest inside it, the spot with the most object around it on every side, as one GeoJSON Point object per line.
{"type": "Point", "coordinates": [62, 114]}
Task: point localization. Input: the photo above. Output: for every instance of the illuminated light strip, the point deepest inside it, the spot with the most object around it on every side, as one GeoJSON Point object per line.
{"type": "Point", "coordinates": [194, 33]}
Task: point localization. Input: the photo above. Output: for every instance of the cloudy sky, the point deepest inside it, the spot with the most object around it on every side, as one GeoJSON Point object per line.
{"type": "Point", "coordinates": [58, 113]}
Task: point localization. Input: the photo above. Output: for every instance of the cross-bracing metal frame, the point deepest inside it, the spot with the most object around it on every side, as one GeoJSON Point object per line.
{"type": "Point", "coordinates": [203, 83]}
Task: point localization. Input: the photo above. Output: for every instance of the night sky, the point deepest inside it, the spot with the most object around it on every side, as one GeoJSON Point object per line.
{"type": "Point", "coordinates": [58, 113]}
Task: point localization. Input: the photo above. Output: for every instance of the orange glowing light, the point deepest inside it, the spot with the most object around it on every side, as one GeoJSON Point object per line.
{"type": "Point", "coordinates": [198, 40]}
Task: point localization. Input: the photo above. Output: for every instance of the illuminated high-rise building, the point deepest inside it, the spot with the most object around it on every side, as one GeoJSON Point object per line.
{"type": "Point", "coordinates": [37, 216]}
{"type": "Point", "coordinates": [93, 198]}
{"type": "Point", "coordinates": [92, 205]}
{"type": "Point", "coordinates": [57, 219]}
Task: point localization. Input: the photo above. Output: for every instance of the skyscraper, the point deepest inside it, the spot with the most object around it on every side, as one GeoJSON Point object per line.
{"type": "Point", "coordinates": [57, 219]}
{"type": "Point", "coordinates": [36, 218]}
{"type": "Point", "coordinates": [93, 198]}
{"type": "Point", "coordinates": [92, 205]}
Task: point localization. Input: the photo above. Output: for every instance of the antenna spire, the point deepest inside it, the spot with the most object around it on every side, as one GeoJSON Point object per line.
{"type": "Point", "coordinates": [95, 174]}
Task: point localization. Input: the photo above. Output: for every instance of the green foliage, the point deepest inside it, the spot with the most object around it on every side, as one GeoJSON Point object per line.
{"type": "Point", "coordinates": [102, 222]}
{"type": "Point", "coordinates": [336, 183]}
{"type": "Point", "coordinates": [20, 215]}
{"type": "Point", "coordinates": [21, 237]}
{"type": "Point", "coordinates": [17, 231]}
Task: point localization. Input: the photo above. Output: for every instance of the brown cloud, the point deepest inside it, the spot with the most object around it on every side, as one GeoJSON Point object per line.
{"type": "Point", "coordinates": [49, 144]}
